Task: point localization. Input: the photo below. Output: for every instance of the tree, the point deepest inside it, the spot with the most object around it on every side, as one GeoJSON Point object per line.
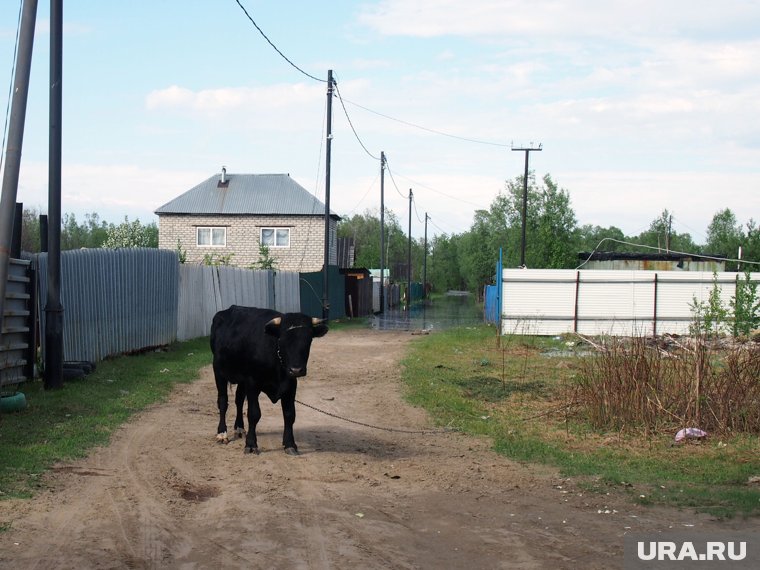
{"type": "Point", "coordinates": [751, 244]}
{"type": "Point", "coordinates": [365, 231]}
{"type": "Point", "coordinates": [660, 235]}
{"type": "Point", "coordinates": [444, 267]}
{"type": "Point", "coordinates": [478, 252]}
{"type": "Point", "coordinates": [266, 261]}
{"type": "Point", "coordinates": [30, 230]}
{"type": "Point", "coordinates": [724, 236]}
{"type": "Point", "coordinates": [556, 226]}
{"type": "Point", "coordinates": [131, 234]}
{"type": "Point", "coordinates": [589, 237]}
{"type": "Point", "coordinates": [92, 233]}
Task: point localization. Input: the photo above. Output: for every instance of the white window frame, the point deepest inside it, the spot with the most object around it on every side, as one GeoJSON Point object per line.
{"type": "Point", "coordinates": [211, 230]}
{"type": "Point", "coordinates": [274, 231]}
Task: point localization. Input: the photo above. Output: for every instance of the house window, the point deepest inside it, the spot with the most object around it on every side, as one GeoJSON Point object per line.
{"type": "Point", "coordinates": [275, 237]}
{"type": "Point", "coordinates": [211, 237]}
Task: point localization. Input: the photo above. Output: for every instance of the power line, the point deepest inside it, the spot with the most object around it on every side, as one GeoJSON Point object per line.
{"type": "Point", "coordinates": [282, 55]}
{"type": "Point", "coordinates": [393, 179]}
{"type": "Point", "coordinates": [316, 189]}
{"type": "Point", "coordinates": [695, 232]}
{"type": "Point", "coordinates": [351, 124]}
{"type": "Point", "coordinates": [714, 258]}
{"type": "Point", "coordinates": [479, 206]}
{"type": "Point", "coordinates": [414, 204]}
{"type": "Point", "coordinates": [434, 131]}
{"type": "Point", "coordinates": [440, 228]}
{"type": "Point", "coordinates": [352, 210]}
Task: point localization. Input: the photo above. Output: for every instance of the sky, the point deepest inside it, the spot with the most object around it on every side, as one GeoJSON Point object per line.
{"type": "Point", "coordinates": [638, 106]}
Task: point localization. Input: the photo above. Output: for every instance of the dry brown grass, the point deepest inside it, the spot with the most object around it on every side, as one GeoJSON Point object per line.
{"type": "Point", "coordinates": [639, 385]}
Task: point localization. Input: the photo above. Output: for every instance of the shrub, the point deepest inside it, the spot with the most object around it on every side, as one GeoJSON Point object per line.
{"type": "Point", "coordinates": [635, 384]}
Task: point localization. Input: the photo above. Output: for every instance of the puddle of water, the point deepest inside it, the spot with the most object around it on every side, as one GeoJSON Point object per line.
{"type": "Point", "coordinates": [442, 313]}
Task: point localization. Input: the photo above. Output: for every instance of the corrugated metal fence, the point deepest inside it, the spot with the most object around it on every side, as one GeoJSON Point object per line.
{"type": "Point", "coordinates": [204, 290]}
{"type": "Point", "coordinates": [125, 300]}
{"type": "Point", "coordinates": [114, 301]}
{"type": "Point", "coordinates": [549, 302]}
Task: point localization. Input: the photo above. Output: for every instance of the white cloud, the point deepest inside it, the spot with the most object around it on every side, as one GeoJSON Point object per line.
{"type": "Point", "coordinates": [543, 19]}
{"type": "Point", "coordinates": [229, 100]}
{"type": "Point", "coordinates": [111, 190]}
{"type": "Point", "coordinates": [631, 200]}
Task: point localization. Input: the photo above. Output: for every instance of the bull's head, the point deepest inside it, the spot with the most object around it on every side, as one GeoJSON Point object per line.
{"type": "Point", "coordinates": [294, 333]}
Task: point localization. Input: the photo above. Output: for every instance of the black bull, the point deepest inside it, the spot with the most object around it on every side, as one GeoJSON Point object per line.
{"type": "Point", "coordinates": [260, 350]}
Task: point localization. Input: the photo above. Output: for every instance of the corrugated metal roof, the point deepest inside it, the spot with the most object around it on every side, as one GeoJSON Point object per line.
{"type": "Point", "coordinates": [263, 194]}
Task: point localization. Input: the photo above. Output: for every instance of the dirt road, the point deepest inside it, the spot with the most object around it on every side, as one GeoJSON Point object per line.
{"type": "Point", "coordinates": [165, 495]}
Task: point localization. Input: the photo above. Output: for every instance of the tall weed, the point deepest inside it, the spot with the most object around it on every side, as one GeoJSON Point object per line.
{"type": "Point", "coordinates": [636, 384]}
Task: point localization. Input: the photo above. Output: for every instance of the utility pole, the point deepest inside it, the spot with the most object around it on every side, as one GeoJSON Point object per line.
{"type": "Point", "coordinates": [527, 151]}
{"type": "Point", "coordinates": [667, 237]}
{"type": "Point", "coordinates": [325, 279]}
{"type": "Point", "coordinates": [53, 308]}
{"type": "Point", "coordinates": [409, 257]}
{"type": "Point", "coordinates": [15, 141]}
{"type": "Point", "coordinates": [424, 263]}
{"type": "Point", "coordinates": [382, 232]}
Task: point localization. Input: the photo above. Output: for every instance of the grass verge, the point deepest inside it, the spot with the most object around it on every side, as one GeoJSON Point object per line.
{"type": "Point", "coordinates": [514, 395]}
{"type": "Point", "coordinates": [64, 424]}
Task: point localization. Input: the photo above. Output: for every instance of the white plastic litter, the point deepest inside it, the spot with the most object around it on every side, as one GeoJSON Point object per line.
{"type": "Point", "coordinates": [690, 433]}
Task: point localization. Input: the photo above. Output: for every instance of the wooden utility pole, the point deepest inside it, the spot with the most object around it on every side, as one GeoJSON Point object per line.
{"type": "Point", "coordinates": [382, 232]}
{"type": "Point", "coordinates": [527, 151]}
{"type": "Point", "coordinates": [326, 266]}
{"type": "Point", "coordinates": [15, 141]}
{"type": "Point", "coordinates": [424, 263]}
{"type": "Point", "coordinates": [409, 257]}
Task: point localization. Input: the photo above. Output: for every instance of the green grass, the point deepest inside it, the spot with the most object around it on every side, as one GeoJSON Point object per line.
{"type": "Point", "coordinates": [513, 396]}
{"type": "Point", "coordinates": [59, 425]}
{"type": "Point", "coordinates": [348, 323]}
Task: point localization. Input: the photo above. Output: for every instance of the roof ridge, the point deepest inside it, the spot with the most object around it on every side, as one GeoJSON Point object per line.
{"type": "Point", "coordinates": [246, 194]}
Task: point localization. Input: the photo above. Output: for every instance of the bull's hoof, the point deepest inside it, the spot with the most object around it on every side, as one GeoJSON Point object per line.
{"type": "Point", "coordinates": [222, 438]}
{"type": "Point", "coordinates": [239, 433]}
{"type": "Point", "coordinates": [253, 450]}
{"type": "Point", "coordinates": [291, 451]}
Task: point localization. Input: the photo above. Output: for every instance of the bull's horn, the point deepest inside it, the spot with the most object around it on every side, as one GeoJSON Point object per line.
{"type": "Point", "coordinates": [315, 321]}
{"type": "Point", "coordinates": [277, 321]}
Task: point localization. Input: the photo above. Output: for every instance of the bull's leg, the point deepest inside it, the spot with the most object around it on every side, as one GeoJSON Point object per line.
{"type": "Point", "coordinates": [254, 415]}
{"type": "Point", "coordinates": [221, 402]}
{"type": "Point", "coordinates": [288, 403]}
{"type": "Point", "coordinates": [239, 400]}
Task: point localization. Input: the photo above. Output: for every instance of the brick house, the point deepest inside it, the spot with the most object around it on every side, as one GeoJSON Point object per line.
{"type": "Point", "coordinates": [232, 214]}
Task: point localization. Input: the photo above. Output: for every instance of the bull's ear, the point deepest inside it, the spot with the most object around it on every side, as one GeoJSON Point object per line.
{"type": "Point", "coordinates": [273, 326]}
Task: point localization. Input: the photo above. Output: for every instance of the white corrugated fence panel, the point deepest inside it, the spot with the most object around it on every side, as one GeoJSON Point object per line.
{"type": "Point", "coordinates": [543, 302]}
{"type": "Point", "coordinates": [537, 302]}
{"type": "Point", "coordinates": [615, 302]}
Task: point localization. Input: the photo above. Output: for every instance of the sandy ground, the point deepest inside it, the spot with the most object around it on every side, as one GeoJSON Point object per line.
{"type": "Point", "coordinates": [165, 495]}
